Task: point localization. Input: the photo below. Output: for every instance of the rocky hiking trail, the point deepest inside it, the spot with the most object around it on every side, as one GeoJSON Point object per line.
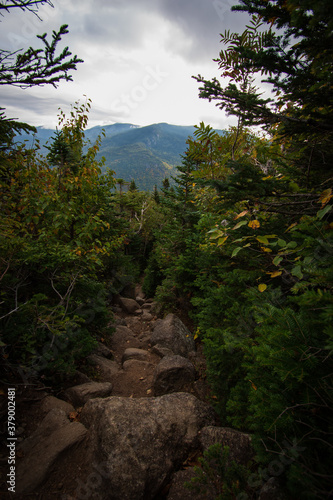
{"type": "Point", "coordinates": [133, 429]}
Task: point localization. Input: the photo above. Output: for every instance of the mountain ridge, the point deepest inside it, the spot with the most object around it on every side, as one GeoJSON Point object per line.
{"type": "Point", "coordinates": [146, 154]}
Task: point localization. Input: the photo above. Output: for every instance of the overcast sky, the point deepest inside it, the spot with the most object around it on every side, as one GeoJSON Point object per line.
{"type": "Point", "coordinates": [139, 57]}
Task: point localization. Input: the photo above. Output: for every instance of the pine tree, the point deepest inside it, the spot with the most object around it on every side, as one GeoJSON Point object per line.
{"type": "Point", "coordinates": [32, 67]}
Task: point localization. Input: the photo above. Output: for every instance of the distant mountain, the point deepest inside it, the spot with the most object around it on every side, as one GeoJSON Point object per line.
{"type": "Point", "coordinates": [146, 154]}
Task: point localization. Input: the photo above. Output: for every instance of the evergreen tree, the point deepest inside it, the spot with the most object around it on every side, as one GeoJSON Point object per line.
{"type": "Point", "coordinates": [32, 67]}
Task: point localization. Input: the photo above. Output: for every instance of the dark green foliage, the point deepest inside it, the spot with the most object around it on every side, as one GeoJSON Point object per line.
{"type": "Point", "coordinates": [38, 66]}
{"type": "Point", "coordinates": [153, 277]}
{"type": "Point", "coordinates": [218, 477]}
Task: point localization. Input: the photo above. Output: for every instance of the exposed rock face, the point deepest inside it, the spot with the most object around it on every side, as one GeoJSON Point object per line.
{"type": "Point", "coordinates": [173, 334]}
{"type": "Point", "coordinates": [137, 443]}
{"type": "Point", "coordinates": [54, 435]}
{"type": "Point", "coordinates": [173, 374]}
{"type": "Point", "coordinates": [239, 443]}
{"type": "Point", "coordinates": [80, 394]}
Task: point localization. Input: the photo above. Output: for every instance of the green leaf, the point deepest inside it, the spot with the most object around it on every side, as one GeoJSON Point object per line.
{"type": "Point", "coordinates": [239, 224]}
{"type": "Point", "coordinates": [292, 244]}
{"type": "Point", "coordinates": [215, 233]}
{"type": "Point", "coordinates": [235, 251]}
{"type": "Point", "coordinates": [324, 211]}
{"type": "Point", "coordinates": [277, 260]}
{"type": "Point", "coordinates": [263, 239]}
{"type": "Point", "coordinates": [297, 271]}
{"type": "Point", "coordinates": [282, 243]}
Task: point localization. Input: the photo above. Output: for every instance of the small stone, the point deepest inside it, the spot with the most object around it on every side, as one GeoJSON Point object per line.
{"type": "Point", "coordinates": [146, 316]}
{"type": "Point", "coordinates": [133, 353]}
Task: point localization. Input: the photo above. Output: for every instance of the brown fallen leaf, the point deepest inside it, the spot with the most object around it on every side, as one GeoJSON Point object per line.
{"type": "Point", "coordinates": [73, 416]}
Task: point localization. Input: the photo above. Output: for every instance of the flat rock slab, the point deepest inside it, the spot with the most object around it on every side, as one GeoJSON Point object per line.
{"type": "Point", "coordinates": [140, 442]}
{"type": "Point", "coordinates": [80, 394]}
{"type": "Point", "coordinates": [173, 374]}
{"type": "Point", "coordinates": [240, 448]}
{"type": "Point", "coordinates": [173, 334]}
{"type": "Point", "coordinates": [54, 435]}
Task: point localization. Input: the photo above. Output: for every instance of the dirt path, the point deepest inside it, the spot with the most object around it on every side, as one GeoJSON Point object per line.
{"type": "Point", "coordinates": [131, 376]}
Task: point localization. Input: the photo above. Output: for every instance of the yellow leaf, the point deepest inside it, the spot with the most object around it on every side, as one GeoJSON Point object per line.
{"type": "Point", "coordinates": [265, 249]}
{"type": "Point", "coordinates": [222, 240]}
{"type": "Point", "coordinates": [241, 214]}
{"type": "Point", "coordinates": [325, 197]}
{"type": "Point", "coordinates": [254, 224]}
{"type": "Point", "coordinates": [275, 274]}
{"type": "Point", "coordinates": [262, 287]}
{"type": "Point", "coordinates": [253, 386]}
{"type": "Point", "coordinates": [291, 226]}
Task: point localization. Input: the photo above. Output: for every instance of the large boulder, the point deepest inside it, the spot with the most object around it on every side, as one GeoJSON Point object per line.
{"type": "Point", "coordinates": [173, 334]}
{"type": "Point", "coordinates": [107, 367]}
{"type": "Point", "coordinates": [137, 443]}
{"type": "Point", "coordinates": [50, 402]}
{"type": "Point", "coordinates": [173, 374]}
{"type": "Point", "coordinates": [80, 394]}
{"type": "Point", "coordinates": [129, 305]}
{"type": "Point", "coordinates": [240, 448]}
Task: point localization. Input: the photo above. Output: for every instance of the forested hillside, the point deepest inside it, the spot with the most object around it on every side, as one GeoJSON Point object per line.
{"type": "Point", "coordinates": [241, 244]}
{"type": "Point", "coordinates": [146, 154]}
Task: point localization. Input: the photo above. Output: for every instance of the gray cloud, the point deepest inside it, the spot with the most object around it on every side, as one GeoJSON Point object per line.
{"type": "Point", "coordinates": [118, 40]}
{"type": "Point", "coordinates": [127, 24]}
